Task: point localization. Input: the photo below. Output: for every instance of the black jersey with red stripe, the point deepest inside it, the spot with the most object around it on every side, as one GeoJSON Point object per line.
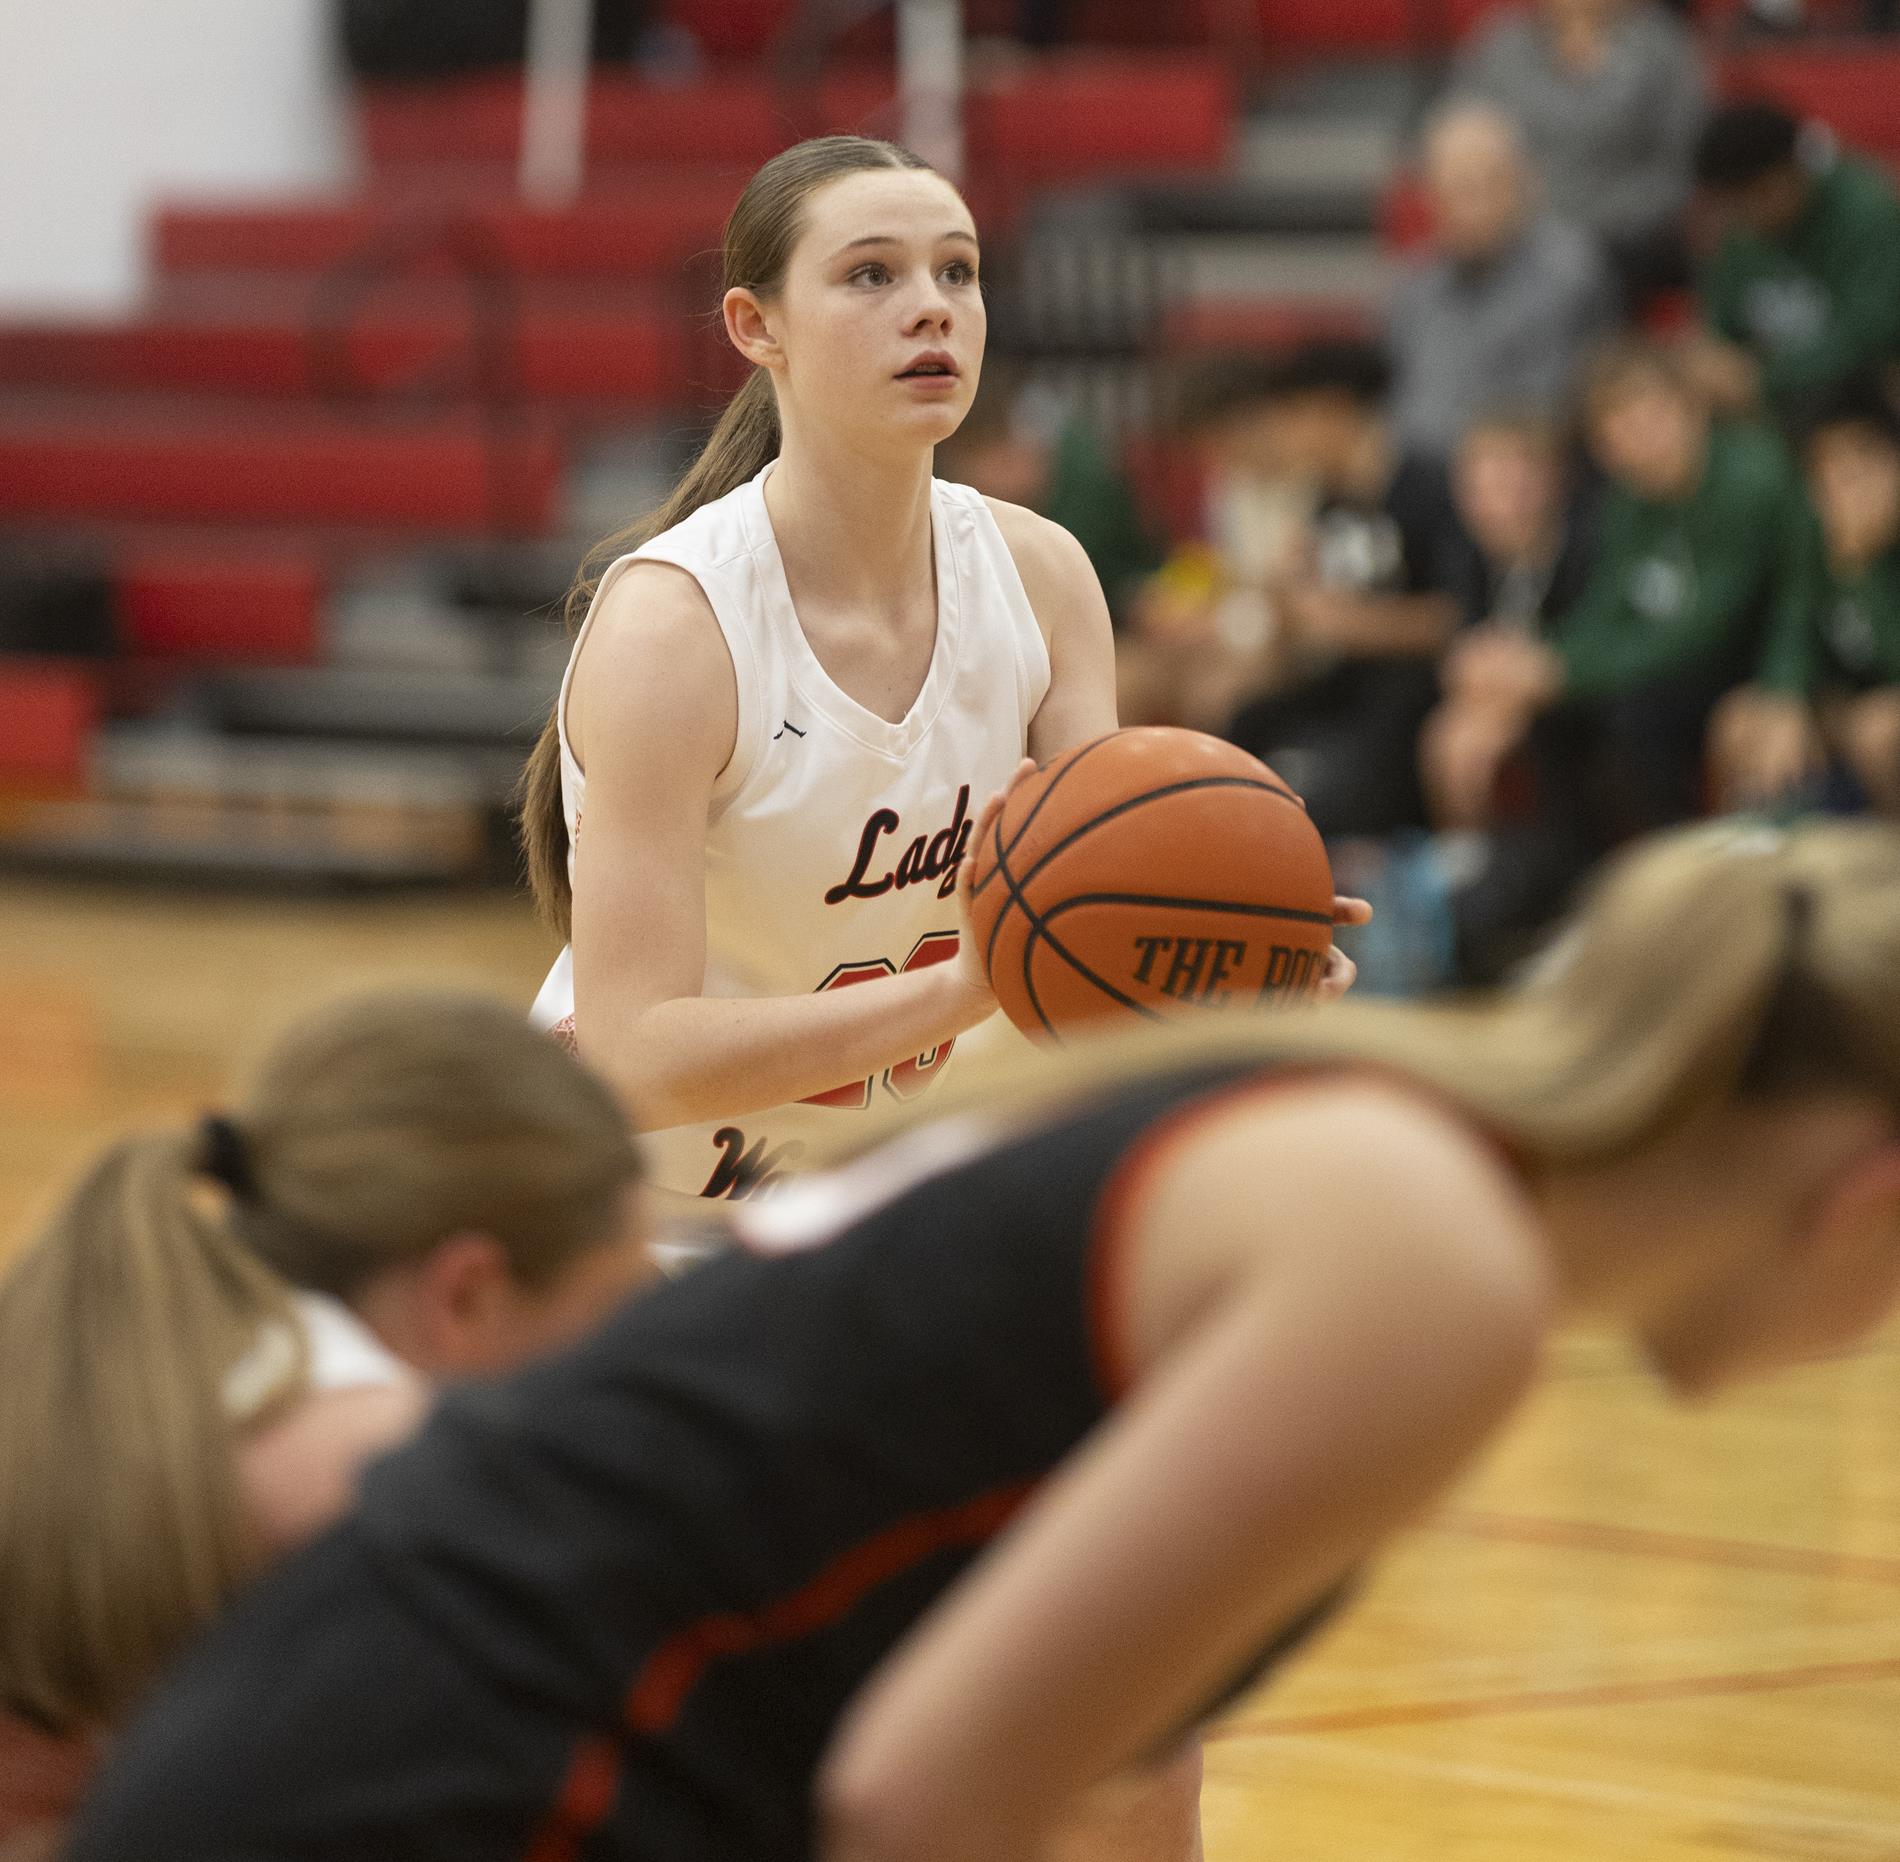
{"type": "Point", "coordinates": [613, 1607]}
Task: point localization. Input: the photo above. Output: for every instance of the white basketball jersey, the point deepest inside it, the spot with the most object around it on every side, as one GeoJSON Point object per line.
{"type": "Point", "coordinates": [835, 836]}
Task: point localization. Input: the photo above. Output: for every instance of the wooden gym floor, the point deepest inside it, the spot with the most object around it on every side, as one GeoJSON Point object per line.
{"type": "Point", "coordinates": [1636, 1634]}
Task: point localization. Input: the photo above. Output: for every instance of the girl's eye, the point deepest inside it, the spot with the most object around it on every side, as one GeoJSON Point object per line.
{"type": "Point", "coordinates": [960, 271]}
{"type": "Point", "coordinates": [869, 275]}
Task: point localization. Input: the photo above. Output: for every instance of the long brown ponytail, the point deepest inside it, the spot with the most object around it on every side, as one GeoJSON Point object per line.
{"type": "Point", "coordinates": [758, 243]}
{"type": "Point", "coordinates": [374, 1130]}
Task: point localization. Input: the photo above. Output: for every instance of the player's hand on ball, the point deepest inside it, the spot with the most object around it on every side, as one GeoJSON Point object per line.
{"type": "Point", "coordinates": [971, 968]}
{"type": "Point", "coordinates": [1340, 971]}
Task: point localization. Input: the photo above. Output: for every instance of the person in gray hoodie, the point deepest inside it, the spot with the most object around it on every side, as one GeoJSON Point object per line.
{"type": "Point", "coordinates": [1506, 302]}
{"type": "Point", "coordinates": [1610, 96]}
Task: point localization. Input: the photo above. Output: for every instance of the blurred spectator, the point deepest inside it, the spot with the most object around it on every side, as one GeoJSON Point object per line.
{"type": "Point", "coordinates": [1804, 288]}
{"type": "Point", "coordinates": [1834, 655]}
{"type": "Point", "coordinates": [1693, 559]}
{"type": "Point", "coordinates": [1532, 546]}
{"type": "Point", "coordinates": [1360, 610]}
{"type": "Point", "coordinates": [1610, 96]}
{"type": "Point", "coordinates": [1200, 631]}
{"type": "Point", "coordinates": [1506, 303]}
{"type": "Point", "coordinates": [1019, 443]}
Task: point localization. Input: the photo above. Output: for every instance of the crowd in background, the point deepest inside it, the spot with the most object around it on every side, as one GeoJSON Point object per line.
{"type": "Point", "coordinates": [1603, 533]}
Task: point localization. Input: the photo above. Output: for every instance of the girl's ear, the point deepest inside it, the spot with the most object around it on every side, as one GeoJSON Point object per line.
{"type": "Point", "coordinates": [459, 1295]}
{"type": "Point", "coordinates": [1865, 1195]}
{"type": "Point", "coordinates": [748, 330]}
{"type": "Point", "coordinates": [1850, 1277]}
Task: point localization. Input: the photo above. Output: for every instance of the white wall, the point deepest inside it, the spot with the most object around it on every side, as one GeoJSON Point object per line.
{"type": "Point", "coordinates": [107, 104]}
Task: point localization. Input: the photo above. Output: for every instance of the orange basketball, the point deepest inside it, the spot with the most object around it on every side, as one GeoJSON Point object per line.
{"type": "Point", "coordinates": [1147, 872]}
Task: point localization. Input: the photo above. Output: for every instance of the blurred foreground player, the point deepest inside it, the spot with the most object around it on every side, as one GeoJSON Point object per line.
{"type": "Point", "coordinates": [1015, 1447]}
{"type": "Point", "coordinates": [224, 1321]}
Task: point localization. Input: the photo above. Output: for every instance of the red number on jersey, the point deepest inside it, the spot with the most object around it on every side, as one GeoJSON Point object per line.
{"type": "Point", "coordinates": [856, 1096]}
{"type": "Point", "coordinates": [909, 1077]}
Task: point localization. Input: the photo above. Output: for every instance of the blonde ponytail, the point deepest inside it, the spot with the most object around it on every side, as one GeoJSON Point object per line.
{"type": "Point", "coordinates": [373, 1131]}
{"type": "Point", "coordinates": [121, 1528]}
{"type": "Point", "coordinates": [1669, 990]}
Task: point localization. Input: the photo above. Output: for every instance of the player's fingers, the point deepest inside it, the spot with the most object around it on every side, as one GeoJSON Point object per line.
{"type": "Point", "coordinates": [1338, 976]}
{"type": "Point", "coordinates": [1350, 911]}
{"type": "Point", "coordinates": [990, 809]}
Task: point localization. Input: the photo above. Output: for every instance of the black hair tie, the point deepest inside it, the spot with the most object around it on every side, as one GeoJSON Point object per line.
{"type": "Point", "coordinates": [226, 1156]}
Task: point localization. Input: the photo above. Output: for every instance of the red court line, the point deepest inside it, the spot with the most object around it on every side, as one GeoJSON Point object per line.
{"type": "Point", "coordinates": [1688, 1548]}
{"type": "Point", "coordinates": [1536, 1700]}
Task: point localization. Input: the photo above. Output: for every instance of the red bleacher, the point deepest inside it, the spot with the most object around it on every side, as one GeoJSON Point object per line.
{"type": "Point", "coordinates": [443, 474]}
{"type": "Point", "coordinates": [602, 361]}
{"type": "Point", "coordinates": [1851, 86]}
{"type": "Point", "coordinates": [310, 366]}
{"type": "Point", "coordinates": [1086, 113]}
{"type": "Point", "coordinates": [195, 604]}
{"type": "Point", "coordinates": [49, 710]}
{"type": "Point", "coordinates": [625, 235]}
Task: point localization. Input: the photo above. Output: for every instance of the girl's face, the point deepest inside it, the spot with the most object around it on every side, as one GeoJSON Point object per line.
{"type": "Point", "coordinates": [1855, 476]}
{"type": "Point", "coordinates": [1651, 438]}
{"type": "Point", "coordinates": [1508, 488]}
{"type": "Point", "coordinates": [877, 331]}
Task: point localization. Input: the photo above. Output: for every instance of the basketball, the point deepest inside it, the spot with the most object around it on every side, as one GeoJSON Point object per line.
{"type": "Point", "coordinates": [1148, 872]}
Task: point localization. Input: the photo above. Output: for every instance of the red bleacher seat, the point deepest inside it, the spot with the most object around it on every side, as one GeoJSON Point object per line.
{"type": "Point", "coordinates": [606, 235]}
{"type": "Point", "coordinates": [49, 710]}
{"type": "Point", "coordinates": [1851, 86]}
{"type": "Point", "coordinates": [433, 475]}
{"type": "Point", "coordinates": [733, 29]}
{"type": "Point", "coordinates": [1207, 326]}
{"type": "Point", "coordinates": [1295, 27]}
{"type": "Point", "coordinates": [1078, 114]}
{"type": "Point", "coordinates": [733, 120]}
{"type": "Point", "coordinates": [1104, 114]}
{"type": "Point", "coordinates": [193, 605]}
{"type": "Point", "coordinates": [618, 357]}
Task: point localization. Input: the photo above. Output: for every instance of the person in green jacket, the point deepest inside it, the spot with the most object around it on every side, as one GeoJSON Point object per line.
{"type": "Point", "coordinates": [1828, 687]}
{"type": "Point", "coordinates": [1803, 289]}
{"type": "Point", "coordinates": [1693, 558]}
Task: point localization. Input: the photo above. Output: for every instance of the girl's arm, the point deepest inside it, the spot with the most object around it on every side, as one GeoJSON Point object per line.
{"type": "Point", "coordinates": [1292, 1404]}
{"type": "Point", "coordinates": [654, 719]}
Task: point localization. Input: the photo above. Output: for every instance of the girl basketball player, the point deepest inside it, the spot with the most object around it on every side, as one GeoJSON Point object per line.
{"type": "Point", "coordinates": [788, 704]}
{"type": "Point", "coordinates": [416, 1186]}
{"type": "Point", "coordinates": [1014, 1446]}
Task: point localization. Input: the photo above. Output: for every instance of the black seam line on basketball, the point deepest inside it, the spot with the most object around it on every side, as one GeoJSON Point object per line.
{"type": "Point", "coordinates": [1081, 969]}
{"type": "Point", "coordinates": [1028, 911]}
{"type": "Point", "coordinates": [1015, 894]}
{"type": "Point", "coordinates": [1035, 925]}
{"type": "Point", "coordinates": [1193, 905]}
{"type": "Point", "coordinates": [1154, 795]}
{"type": "Point", "coordinates": [1055, 782]}
{"type": "Point", "coordinates": [1015, 885]}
